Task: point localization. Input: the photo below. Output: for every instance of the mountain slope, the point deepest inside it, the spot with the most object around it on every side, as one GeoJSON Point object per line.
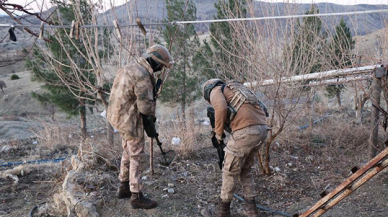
{"type": "Point", "coordinates": [150, 11]}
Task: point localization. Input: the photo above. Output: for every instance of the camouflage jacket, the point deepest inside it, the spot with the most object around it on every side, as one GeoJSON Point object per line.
{"type": "Point", "coordinates": [132, 94]}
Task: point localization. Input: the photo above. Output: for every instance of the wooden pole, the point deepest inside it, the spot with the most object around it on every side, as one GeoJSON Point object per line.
{"type": "Point", "coordinates": [375, 99]}
{"type": "Point", "coordinates": [152, 156]}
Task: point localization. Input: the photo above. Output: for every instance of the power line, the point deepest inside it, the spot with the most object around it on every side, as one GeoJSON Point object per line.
{"type": "Point", "coordinates": [210, 21]}
{"type": "Point", "coordinates": [283, 17]}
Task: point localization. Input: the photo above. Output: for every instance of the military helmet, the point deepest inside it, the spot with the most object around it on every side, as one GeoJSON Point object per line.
{"type": "Point", "coordinates": [208, 87]}
{"type": "Point", "coordinates": [160, 53]}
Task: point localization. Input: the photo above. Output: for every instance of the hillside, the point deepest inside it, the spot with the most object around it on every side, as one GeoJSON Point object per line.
{"type": "Point", "coordinates": [360, 24]}
{"type": "Point", "coordinates": [48, 170]}
{"type": "Point", "coordinates": [151, 12]}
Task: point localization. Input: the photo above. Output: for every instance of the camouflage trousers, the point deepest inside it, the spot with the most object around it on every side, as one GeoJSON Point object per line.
{"type": "Point", "coordinates": [132, 163]}
{"type": "Point", "coordinates": [240, 153]}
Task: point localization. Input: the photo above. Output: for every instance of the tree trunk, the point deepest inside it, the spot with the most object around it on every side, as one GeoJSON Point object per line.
{"type": "Point", "coordinates": [338, 95]}
{"type": "Point", "coordinates": [52, 112]}
{"type": "Point", "coordinates": [110, 133]}
{"type": "Point", "coordinates": [358, 100]}
{"type": "Point", "coordinates": [311, 113]}
{"type": "Point", "coordinates": [109, 128]}
{"type": "Point", "coordinates": [82, 113]}
{"type": "Point", "coordinates": [183, 103]}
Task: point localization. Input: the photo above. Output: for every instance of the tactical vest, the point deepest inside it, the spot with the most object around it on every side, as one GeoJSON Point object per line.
{"type": "Point", "coordinates": [241, 95]}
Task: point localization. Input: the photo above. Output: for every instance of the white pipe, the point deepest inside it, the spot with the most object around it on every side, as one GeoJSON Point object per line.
{"type": "Point", "coordinates": [340, 80]}
{"type": "Point", "coordinates": [315, 76]}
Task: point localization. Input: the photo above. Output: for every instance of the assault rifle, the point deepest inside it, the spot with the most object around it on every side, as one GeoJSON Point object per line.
{"type": "Point", "coordinates": [216, 144]}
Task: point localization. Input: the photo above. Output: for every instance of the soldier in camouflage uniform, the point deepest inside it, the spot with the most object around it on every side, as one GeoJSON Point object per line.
{"type": "Point", "coordinates": [132, 98]}
{"type": "Point", "coordinates": [249, 131]}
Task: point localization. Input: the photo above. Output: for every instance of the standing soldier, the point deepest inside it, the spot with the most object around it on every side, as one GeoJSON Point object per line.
{"type": "Point", "coordinates": [131, 101]}
{"type": "Point", "coordinates": [237, 108]}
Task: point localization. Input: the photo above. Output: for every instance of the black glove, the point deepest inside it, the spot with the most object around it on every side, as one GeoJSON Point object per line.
{"type": "Point", "coordinates": [221, 141]}
{"type": "Point", "coordinates": [149, 125]}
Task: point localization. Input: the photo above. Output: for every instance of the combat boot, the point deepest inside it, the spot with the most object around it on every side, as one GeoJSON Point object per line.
{"type": "Point", "coordinates": [138, 201]}
{"type": "Point", "coordinates": [124, 191]}
{"type": "Point", "coordinates": [223, 210]}
{"type": "Point", "coordinates": [250, 208]}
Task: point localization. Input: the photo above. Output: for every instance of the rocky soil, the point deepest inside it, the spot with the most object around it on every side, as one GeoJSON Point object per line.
{"type": "Point", "coordinates": [85, 184]}
{"type": "Point", "coordinates": [75, 180]}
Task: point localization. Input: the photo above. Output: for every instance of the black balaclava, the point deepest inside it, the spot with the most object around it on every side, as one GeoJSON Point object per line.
{"type": "Point", "coordinates": [155, 65]}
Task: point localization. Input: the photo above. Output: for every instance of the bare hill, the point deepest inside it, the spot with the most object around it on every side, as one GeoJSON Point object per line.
{"type": "Point", "coordinates": [150, 12]}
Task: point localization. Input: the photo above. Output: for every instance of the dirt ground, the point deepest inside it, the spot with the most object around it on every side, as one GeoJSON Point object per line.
{"type": "Point", "coordinates": [303, 166]}
{"type": "Point", "coordinates": [301, 173]}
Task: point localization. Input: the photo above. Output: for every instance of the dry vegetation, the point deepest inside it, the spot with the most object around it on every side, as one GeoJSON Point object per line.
{"type": "Point", "coordinates": [301, 163]}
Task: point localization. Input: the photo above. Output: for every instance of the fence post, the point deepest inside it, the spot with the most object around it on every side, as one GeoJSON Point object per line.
{"type": "Point", "coordinates": [379, 72]}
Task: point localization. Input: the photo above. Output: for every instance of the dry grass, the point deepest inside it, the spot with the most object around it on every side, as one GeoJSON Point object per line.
{"type": "Point", "coordinates": [10, 117]}
{"type": "Point", "coordinates": [190, 132]}
{"type": "Point", "coordinates": [54, 136]}
{"type": "Point", "coordinates": [67, 140]}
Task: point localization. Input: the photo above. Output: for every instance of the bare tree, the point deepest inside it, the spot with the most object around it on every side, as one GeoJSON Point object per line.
{"type": "Point", "coordinates": [103, 49]}
{"type": "Point", "coordinates": [261, 50]}
{"type": "Point", "coordinates": [18, 13]}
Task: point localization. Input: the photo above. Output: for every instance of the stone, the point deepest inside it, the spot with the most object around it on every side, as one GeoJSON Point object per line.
{"type": "Point", "coordinates": [86, 209]}
{"type": "Point", "coordinates": [59, 204]}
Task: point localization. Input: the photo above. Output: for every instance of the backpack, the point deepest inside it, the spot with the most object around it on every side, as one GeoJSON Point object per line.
{"type": "Point", "coordinates": [242, 95]}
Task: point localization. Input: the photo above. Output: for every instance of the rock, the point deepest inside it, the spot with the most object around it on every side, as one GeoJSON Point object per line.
{"type": "Point", "coordinates": [72, 200]}
{"type": "Point", "coordinates": [60, 205]}
{"type": "Point", "coordinates": [176, 141]}
{"type": "Point", "coordinates": [13, 177]}
{"type": "Point", "coordinates": [170, 190]}
{"type": "Point", "coordinates": [86, 209]}
{"type": "Point", "coordinates": [309, 158]}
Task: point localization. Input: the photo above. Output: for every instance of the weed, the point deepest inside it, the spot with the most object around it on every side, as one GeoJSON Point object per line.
{"type": "Point", "coordinates": [14, 77]}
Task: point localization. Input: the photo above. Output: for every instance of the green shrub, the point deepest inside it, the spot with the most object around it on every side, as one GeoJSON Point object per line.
{"type": "Point", "coordinates": [14, 77]}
